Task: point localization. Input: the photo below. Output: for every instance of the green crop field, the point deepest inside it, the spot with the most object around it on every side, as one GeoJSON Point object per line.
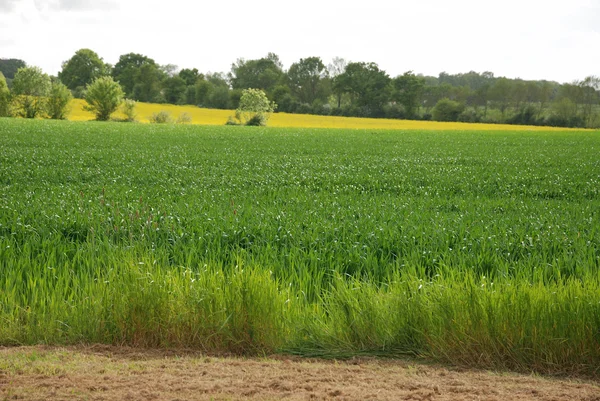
{"type": "Point", "coordinates": [478, 248]}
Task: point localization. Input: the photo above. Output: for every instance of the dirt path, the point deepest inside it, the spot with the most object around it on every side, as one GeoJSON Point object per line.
{"type": "Point", "coordinates": [111, 373]}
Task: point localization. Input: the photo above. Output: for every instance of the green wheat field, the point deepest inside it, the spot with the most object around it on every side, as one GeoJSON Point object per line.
{"type": "Point", "coordinates": [479, 248]}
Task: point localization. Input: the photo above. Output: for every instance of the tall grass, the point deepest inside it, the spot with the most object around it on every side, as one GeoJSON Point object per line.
{"type": "Point", "coordinates": [473, 248]}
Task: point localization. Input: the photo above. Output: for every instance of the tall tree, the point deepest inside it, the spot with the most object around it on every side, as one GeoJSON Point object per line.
{"type": "Point", "coordinates": [30, 86]}
{"type": "Point", "coordinates": [148, 82]}
{"type": "Point", "coordinates": [335, 68]}
{"type": "Point", "coordinates": [82, 69]}
{"type": "Point", "coordinates": [308, 78]}
{"type": "Point", "coordinates": [408, 88]}
{"type": "Point", "coordinates": [127, 73]}
{"type": "Point", "coordinates": [9, 67]}
{"type": "Point", "coordinates": [174, 89]}
{"type": "Point", "coordinates": [4, 97]}
{"type": "Point", "coordinates": [368, 86]}
{"type": "Point", "coordinates": [264, 73]}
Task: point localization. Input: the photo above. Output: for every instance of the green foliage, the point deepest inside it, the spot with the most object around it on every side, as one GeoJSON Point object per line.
{"type": "Point", "coordinates": [82, 69]}
{"type": "Point", "coordinates": [139, 76]}
{"type": "Point", "coordinates": [264, 73]}
{"type": "Point", "coordinates": [368, 86]}
{"type": "Point", "coordinates": [309, 80]}
{"type": "Point", "coordinates": [463, 247]}
{"type": "Point", "coordinates": [162, 117]}
{"type": "Point", "coordinates": [4, 97]}
{"type": "Point", "coordinates": [30, 88]}
{"type": "Point", "coordinates": [174, 90]}
{"type": "Point", "coordinates": [9, 67]}
{"type": "Point", "coordinates": [254, 108]}
{"type": "Point", "coordinates": [447, 110]}
{"type": "Point", "coordinates": [184, 118]}
{"type": "Point", "coordinates": [104, 96]}
{"type": "Point", "coordinates": [128, 108]}
{"type": "Point", "coordinates": [408, 88]}
{"type": "Point", "coordinates": [57, 104]}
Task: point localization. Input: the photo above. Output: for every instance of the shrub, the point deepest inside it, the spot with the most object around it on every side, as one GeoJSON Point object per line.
{"type": "Point", "coordinates": [4, 97]}
{"type": "Point", "coordinates": [232, 121]}
{"type": "Point", "coordinates": [184, 118]}
{"type": "Point", "coordinates": [57, 104]}
{"type": "Point", "coordinates": [255, 108]}
{"type": "Point", "coordinates": [103, 96]}
{"type": "Point", "coordinates": [128, 108]}
{"type": "Point", "coordinates": [31, 86]}
{"type": "Point", "coordinates": [258, 120]}
{"type": "Point", "coordinates": [447, 110]}
{"type": "Point", "coordinates": [162, 117]}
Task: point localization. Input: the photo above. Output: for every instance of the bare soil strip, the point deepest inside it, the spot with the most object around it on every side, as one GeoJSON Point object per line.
{"type": "Point", "coordinates": [117, 373]}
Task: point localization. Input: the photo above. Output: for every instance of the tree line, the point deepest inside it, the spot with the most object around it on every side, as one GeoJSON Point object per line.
{"type": "Point", "coordinates": [341, 88]}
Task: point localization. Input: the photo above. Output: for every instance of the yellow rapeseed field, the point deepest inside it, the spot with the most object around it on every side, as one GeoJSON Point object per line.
{"type": "Point", "coordinates": [219, 117]}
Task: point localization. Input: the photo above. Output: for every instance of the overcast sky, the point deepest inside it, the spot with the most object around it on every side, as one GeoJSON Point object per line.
{"type": "Point", "coordinates": [530, 39]}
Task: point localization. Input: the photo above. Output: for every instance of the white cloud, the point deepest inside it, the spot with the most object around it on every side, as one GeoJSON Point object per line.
{"type": "Point", "coordinates": [8, 5]}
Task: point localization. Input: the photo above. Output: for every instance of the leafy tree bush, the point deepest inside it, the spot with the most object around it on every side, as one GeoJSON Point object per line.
{"type": "Point", "coordinates": [82, 69]}
{"type": "Point", "coordinates": [30, 87]}
{"type": "Point", "coordinates": [447, 110]}
{"type": "Point", "coordinates": [128, 108]}
{"type": "Point", "coordinates": [255, 108]}
{"type": "Point", "coordinates": [162, 117]}
{"type": "Point", "coordinates": [4, 97]}
{"type": "Point", "coordinates": [184, 118]}
{"type": "Point", "coordinates": [57, 104]}
{"type": "Point", "coordinates": [103, 96]}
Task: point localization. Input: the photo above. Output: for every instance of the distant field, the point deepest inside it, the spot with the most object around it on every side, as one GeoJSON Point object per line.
{"type": "Point", "coordinates": [219, 117]}
{"type": "Point", "coordinates": [473, 247]}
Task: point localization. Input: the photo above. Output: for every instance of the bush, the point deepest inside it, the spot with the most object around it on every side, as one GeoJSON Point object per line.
{"type": "Point", "coordinates": [184, 118]}
{"type": "Point", "coordinates": [103, 96]}
{"type": "Point", "coordinates": [255, 108]}
{"type": "Point", "coordinates": [258, 120]}
{"type": "Point", "coordinates": [4, 97]}
{"type": "Point", "coordinates": [232, 121]}
{"type": "Point", "coordinates": [447, 110]}
{"type": "Point", "coordinates": [128, 108]}
{"type": "Point", "coordinates": [394, 111]}
{"type": "Point", "coordinates": [469, 116]}
{"type": "Point", "coordinates": [57, 104]}
{"type": "Point", "coordinates": [30, 87]}
{"type": "Point", "coordinates": [162, 117]}
{"type": "Point", "coordinates": [525, 116]}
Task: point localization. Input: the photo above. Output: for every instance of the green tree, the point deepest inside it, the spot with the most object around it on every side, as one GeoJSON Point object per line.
{"type": "Point", "coordinates": [9, 67]}
{"type": "Point", "coordinates": [57, 104]}
{"type": "Point", "coordinates": [30, 87]}
{"type": "Point", "coordinates": [335, 68]}
{"type": "Point", "coordinates": [126, 71]}
{"type": "Point", "coordinates": [308, 80]}
{"type": "Point", "coordinates": [500, 93]}
{"type": "Point", "coordinates": [254, 108]}
{"type": "Point", "coordinates": [4, 97]}
{"type": "Point", "coordinates": [368, 86]}
{"type": "Point", "coordinates": [174, 89]}
{"type": "Point", "coordinates": [103, 96]}
{"type": "Point", "coordinates": [447, 110]}
{"type": "Point", "coordinates": [82, 69]}
{"type": "Point", "coordinates": [408, 88]}
{"type": "Point", "coordinates": [148, 82]}
{"type": "Point", "coordinates": [590, 95]}
{"type": "Point", "coordinates": [264, 73]}
{"type": "Point", "coordinates": [190, 76]}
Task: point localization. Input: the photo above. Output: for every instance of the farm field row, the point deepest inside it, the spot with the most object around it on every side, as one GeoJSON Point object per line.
{"type": "Point", "coordinates": [219, 117]}
{"type": "Point", "coordinates": [469, 247]}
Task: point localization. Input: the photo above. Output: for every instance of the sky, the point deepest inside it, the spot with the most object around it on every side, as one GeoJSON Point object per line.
{"type": "Point", "coordinates": [528, 39]}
